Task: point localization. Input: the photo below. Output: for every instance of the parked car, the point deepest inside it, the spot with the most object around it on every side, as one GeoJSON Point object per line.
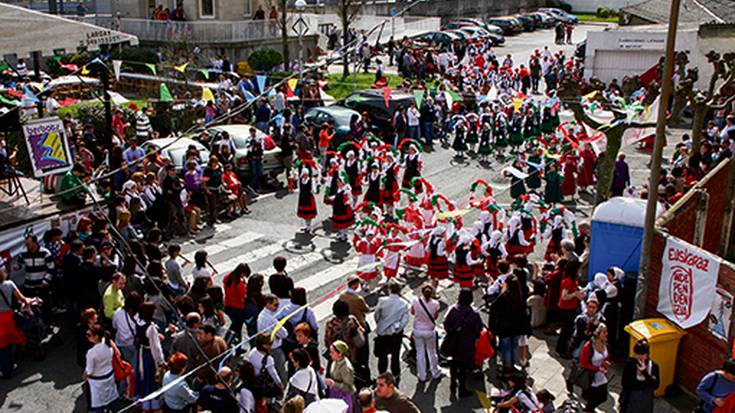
{"type": "Point", "coordinates": [509, 26]}
{"type": "Point", "coordinates": [560, 14]}
{"type": "Point", "coordinates": [373, 102]}
{"type": "Point", "coordinates": [545, 20]}
{"type": "Point", "coordinates": [340, 115]}
{"type": "Point", "coordinates": [240, 135]}
{"type": "Point", "coordinates": [498, 39]}
{"type": "Point", "coordinates": [528, 22]}
{"type": "Point", "coordinates": [176, 149]}
{"type": "Point", "coordinates": [443, 38]}
{"type": "Point", "coordinates": [476, 22]}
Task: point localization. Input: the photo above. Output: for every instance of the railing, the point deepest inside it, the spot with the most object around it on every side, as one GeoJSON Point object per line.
{"type": "Point", "coordinates": [198, 31]}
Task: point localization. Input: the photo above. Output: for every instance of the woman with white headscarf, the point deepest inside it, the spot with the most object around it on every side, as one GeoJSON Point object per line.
{"type": "Point", "coordinates": [494, 250]}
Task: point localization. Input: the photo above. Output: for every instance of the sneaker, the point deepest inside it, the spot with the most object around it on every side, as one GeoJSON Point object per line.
{"type": "Point", "coordinates": [439, 376]}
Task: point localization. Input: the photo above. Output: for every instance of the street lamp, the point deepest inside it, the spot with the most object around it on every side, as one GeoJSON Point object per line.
{"type": "Point", "coordinates": [301, 28]}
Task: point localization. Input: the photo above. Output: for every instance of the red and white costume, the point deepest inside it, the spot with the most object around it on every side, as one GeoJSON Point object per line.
{"type": "Point", "coordinates": [367, 246]}
{"type": "Point", "coordinates": [438, 263]}
{"type": "Point", "coordinates": [307, 203]}
{"type": "Point", "coordinates": [392, 254]}
{"type": "Point", "coordinates": [463, 262]}
{"type": "Point", "coordinates": [494, 251]}
{"type": "Point", "coordinates": [517, 243]}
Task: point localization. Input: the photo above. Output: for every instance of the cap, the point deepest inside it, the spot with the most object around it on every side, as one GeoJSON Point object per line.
{"type": "Point", "coordinates": [341, 347]}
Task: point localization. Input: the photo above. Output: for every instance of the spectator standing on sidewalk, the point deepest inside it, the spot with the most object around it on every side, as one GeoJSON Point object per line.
{"type": "Point", "coordinates": [426, 311]}
{"type": "Point", "coordinates": [391, 317]}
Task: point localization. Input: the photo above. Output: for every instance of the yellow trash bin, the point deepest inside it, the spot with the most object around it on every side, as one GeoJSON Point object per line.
{"type": "Point", "coordinates": [663, 338]}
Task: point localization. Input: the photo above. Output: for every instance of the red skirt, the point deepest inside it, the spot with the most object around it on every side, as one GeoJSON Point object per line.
{"type": "Point", "coordinates": [491, 266]}
{"type": "Point", "coordinates": [552, 248]}
{"type": "Point", "coordinates": [518, 249]}
{"type": "Point", "coordinates": [438, 268]}
{"type": "Point", "coordinates": [343, 221]}
{"type": "Point", "coordinates": [414, 261]}
{"type": "Point", "coordinates": [9, 332]}
{"type": "Point", "coordinates": [307, 210]}
{"type": "Point", "coordinates": [389, 196]}
{"type": "Point", "coordinates": [464, 275]}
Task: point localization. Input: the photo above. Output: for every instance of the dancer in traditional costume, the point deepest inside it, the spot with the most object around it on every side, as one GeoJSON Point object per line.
{"type": "Point", "coordinates": [352, 168]}
{"type": "Point", "coordinates": [494, 251]}
{"type": "Point", "coordinates": [569, 186]}
{"type": "Point", "coordinates": [367, 243]}
{"type": "Point", "coordinates": [555, 233]}
{"type": "Point", "coordinates": [393, 249]}
{"type": "Point", "coordinates": [587, 174]}
{"type": "Point", "coordinates": [412, 169]}
{"type": "Point", "coordinates": [343, 217]}
{"type": "Point", "coordinates": [307, 202]}
{"type": "Point", "coordinates": [372, 182]}
{"type": "Point", "coordinates": [462, 269]}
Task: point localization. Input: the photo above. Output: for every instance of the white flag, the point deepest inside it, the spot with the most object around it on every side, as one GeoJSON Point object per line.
{"type": "Point", "coordinates": [116, 67]}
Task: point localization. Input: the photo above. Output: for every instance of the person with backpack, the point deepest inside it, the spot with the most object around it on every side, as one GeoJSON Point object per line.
{"type": "Point", "coordinates": [715, 387]}
{"type": "Point", "coordinates": [463, 326]}
{"type": "Point", "coordinates": [304, 381]}
{"type": "Point", "coordinates": [595, 359]}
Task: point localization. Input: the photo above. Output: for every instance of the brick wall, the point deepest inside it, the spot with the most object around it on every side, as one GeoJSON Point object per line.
{"type": "Point", "coordinates": [699, 352]}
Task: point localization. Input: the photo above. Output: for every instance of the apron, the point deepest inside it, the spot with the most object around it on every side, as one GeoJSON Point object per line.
{"type": "Point", "coordinates": [102, 390]}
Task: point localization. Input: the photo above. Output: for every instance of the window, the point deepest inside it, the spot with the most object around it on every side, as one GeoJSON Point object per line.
{"type": "Point", "coordinates": [206, 8]}
{"type": "Point", "coordinates": [248, 8]}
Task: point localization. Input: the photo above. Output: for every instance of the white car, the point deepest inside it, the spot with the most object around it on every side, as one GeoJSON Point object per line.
{"type": "Point", "coordinates": [240, 135]}
{"type": "Point", "coordinates": [176, 150]}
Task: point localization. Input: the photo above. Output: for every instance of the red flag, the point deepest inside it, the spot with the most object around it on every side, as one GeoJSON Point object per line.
{"type": "Point", "coordinates": [386, 96]}
{"type": "Point", "coordinates": [70, 67]}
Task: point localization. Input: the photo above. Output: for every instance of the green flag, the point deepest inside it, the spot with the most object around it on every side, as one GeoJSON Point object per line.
{"type": "Point", "coordinates": [418, 95]}
{"type": "Point", "coordinates": [57, 59]}
{"type": "Point", "coordinates": [205, 72]}
{"type": "Point", "coordinates": [3, 66]}
{"type": "Point", "coordinates": [152, 67]}
{"type": "Point", "coordinates": [165, 94]}
{"type": "Point", "coordinates": [9, 102]}
{"type": "Point", "coordinates": [455, 96]}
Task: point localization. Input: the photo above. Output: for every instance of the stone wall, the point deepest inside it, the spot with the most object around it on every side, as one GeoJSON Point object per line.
{"type": "Point", "coordinates": [448, 9]}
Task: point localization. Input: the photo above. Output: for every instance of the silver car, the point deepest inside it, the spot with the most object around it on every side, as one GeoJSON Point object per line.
{"type": "Point", "coordinates": [176, 149]}
{"type": "Point", "coordinates": [240, 134]}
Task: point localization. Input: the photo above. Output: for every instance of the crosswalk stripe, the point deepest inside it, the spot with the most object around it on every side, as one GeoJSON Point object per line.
{"type": "Point", "coordinates": [218, 228]}
{"type": "Point", "coordinates": [249, 258]}
{"type": "Point", "coordinates": [323, 278]}
{"type": "Point", "coordinates": [241, 240]}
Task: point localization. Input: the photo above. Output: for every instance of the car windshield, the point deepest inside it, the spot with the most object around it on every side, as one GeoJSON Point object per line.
{"type": "Point", "coordinates": [341, 117]}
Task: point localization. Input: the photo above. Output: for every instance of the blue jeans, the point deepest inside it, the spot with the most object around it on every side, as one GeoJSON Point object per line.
{"type": "Point", "coordinates": [6, 361]}
{"type": "Point", "coordinates": [413, 132]}
{"type": "Point", "coordinates": [262, 126]}
{"type": "Point", "coordinates": [256, 173]}
{"type": "Point", "coordinates": [509, 350]}
{"type": "Point", "coordinates": [428, 130]}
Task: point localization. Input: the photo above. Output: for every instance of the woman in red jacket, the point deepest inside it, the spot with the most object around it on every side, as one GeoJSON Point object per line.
{"type": "Point", "coordinates": [595, 358]}
{"type": "Point", "coordinates": [235, 292]}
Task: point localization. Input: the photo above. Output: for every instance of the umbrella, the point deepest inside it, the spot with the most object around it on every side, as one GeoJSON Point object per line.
{"type": "Point", "coordinates": [327, 406]}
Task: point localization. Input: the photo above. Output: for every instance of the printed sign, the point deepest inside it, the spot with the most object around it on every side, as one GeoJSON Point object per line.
{"type": "Point", "coordinates": [688, 279]}
{"type": "Point", "coordinates": [47, 147]}
{"type": "Point", "coordinates": [719, 316]}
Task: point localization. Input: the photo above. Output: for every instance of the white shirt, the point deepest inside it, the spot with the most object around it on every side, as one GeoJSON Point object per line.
{"type": "Point", "coordinates": [201, 272]}
{"type": "Point", "coordinates": [268, 319]}
{"type": "Point", "coordinates": [413, 116]}
{"type": "Point", "coordinates": [421, 321]}
{"type": "Point", "coordinates": [306, 381]}
{"type": "Point", "coordinates": [52, 105]}
{"type": "Point", "coordinates": [124, 327]}
{"type": "Point", "coordinates": [99, 360]}
{"type": "Point", "coordinates": [246, 401]}
{"type": "Point", "coordinates": [256, 358]}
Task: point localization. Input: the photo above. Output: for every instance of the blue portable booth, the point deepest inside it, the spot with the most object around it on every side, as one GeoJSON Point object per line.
{"type": "Point", "coordinates": [617, 234]}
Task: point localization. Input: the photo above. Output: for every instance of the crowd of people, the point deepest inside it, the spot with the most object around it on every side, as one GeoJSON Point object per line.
{"type": "Point", "coordinates": [155, 329]}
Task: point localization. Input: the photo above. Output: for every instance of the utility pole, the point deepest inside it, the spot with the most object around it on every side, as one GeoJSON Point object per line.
{"type": "Point", "coordinates": [37, 72]}
{"type": "Point", "coordinates": [105, 78]}
{"type": "Point", "coordinates": [652, 202]}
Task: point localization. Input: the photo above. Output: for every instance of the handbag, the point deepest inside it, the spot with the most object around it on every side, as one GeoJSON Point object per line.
{"type": "Point", "coordinates": [579, 376]}
{"type": "Point", "coordinates": [309, 397]}
{"type": "Point", "coordinates": [264, 385]}
{"type": "Point", "coordinates": [120, 367]}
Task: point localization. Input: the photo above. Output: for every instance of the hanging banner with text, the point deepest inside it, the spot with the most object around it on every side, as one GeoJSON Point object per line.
{"type": "Point", "coordinates": [688, 280]}
{"type": "Point", "coordinates": [47, 147]}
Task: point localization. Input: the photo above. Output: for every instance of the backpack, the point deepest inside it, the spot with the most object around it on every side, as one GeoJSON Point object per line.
{"type": "Point", "coordinates": [570, 406]}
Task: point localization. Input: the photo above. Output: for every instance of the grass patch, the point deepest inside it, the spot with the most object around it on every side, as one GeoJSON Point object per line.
{"type": "Point", "coordinates": [592, 17]}
{"type": "Point", "coordinates": [340, 89]}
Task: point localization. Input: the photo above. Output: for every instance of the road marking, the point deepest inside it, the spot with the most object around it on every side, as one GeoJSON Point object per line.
{"type": "Point", "coordinates": [248, 258]}
{"type": "Point", "coordinates": [241, 239]}
{"type": "Point", "coordinates": [323, 278]}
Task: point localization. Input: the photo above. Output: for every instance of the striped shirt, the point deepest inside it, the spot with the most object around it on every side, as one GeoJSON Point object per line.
{"type": "Point", "coordinates": [142, 126]}
{"type": "Point", "coordinates": [39, 266]}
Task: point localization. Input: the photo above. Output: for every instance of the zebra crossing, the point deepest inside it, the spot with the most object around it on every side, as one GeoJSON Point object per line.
{"type": "Point", "coordinates": [312, 270]}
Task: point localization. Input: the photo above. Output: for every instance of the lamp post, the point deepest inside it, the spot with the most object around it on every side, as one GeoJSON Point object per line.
{"type": "Point", "coordinates": [301, 28]}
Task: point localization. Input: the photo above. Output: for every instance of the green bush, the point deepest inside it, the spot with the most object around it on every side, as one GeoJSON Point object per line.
{"type": "Point", "coordinates": [135, 54]}
{"type": "Point", "coordinates": [264, 60]}
{"type": "Point", "coordinates": [602, 12]}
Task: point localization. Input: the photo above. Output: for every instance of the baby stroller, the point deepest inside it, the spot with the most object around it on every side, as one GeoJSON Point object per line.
{"type": "Point", "coordinates": [32, 325]}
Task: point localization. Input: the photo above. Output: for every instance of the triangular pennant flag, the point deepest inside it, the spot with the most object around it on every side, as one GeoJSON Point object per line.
{"type": "Point", "coordinates": [29, 93]}
{"type": "Point", "coordinates": [85, 71]}
{"type": "Point", "coordinates": [418, 95]}
{"type": "Point", "coordinates": [205, 72]}
{"type": "Point", "coordinates": [289, 91]}
{"type": "Point", "coordinates": [116, 65]}
{"type": "Point", "coordinates": [590, 95]}
{"type": "Point", "coordinates": [517, 103]}
{"type": "Point", "coordinates": [448, 97]}
{"type": "Point", "coordinates": [181, 68]}
{"type": "Point", "coordinates": [57, 59]}
{"type": "Point", "coordinates": [207, 95]}
{"type": "Point", "coordinates": [455, 96]}
{"type": "Point", "coordinates": [70, 67]}
{"type": "Point", "coordinates": [152, 67]}
{"type": "Point", "coordinates": [248, 96]}
{"type": "Point", "coordinates": [292, 83]}
{"type": "Point", "coordinates": [492, 94]}
{"type": "Point", "coordinates": [261, 79]}
{"type": "Point", "coordinates": [386, 96]}
{"type": "Point", "coordinates": [3, 66]}
{"type": "Point", "coordinates": [165, 94]}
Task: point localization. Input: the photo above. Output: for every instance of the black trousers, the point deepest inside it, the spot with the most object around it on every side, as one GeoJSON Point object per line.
{"type": "Point", "coordinates": [458, 376]}
{"type": "Point", "coordinates": [594, 397]}
{"type": "Point", "coordinates": [566, 317]}
{"type": "Point", "coordinates": [389, 346]}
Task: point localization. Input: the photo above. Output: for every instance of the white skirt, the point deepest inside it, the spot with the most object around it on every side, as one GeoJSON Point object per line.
{"type": "Point", "coordinates": [102, 391]}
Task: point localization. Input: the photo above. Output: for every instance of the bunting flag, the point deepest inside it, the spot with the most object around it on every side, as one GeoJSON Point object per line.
{"type": "Point", "coordinates": [455, 96]}
{"type": "Point", "coordinates": [292, 83]}
{"type": "Point", "coordinates": [386, 96]}
{"type": "Point", "coordinates": [207, 95]}
{"type": "Point", "coordinates": [517, 103]}
{"type": "Point", "coordinates": [590, 95]}
{"type": "Point", "coordinates": [204, 72]}
{"type": "Point", "coordinates": [70, 67]}
{"type": "Point", "coordinates": [418, 95]}
{"type": "Point", "coordinates": [29, 94]}
{"type": "Point", "coordinates": [181, 68]}
{"type": "Point", "coordinates": [452, 214]}
{"type": "Point", "coordinates": [3, 66]}
{"type": "Point", "coordinates": [261, 79]}
{"type": "Point", "coordinates": [152, 68]}
{"type": "Point", "coordinates": [9, 102]}
{"type": "Point", "coordinates": [116, 65]}
{"type": "Point", "coordinates": [289, 91]}
{"type": "Point", "coordinates": [165, 94]}
{"type": "Point", "coordinates": [248, 96]}
{"type": "Point", "coordinates": [57, 59]}
{"type": "Point", "coordinates": [85, 71]}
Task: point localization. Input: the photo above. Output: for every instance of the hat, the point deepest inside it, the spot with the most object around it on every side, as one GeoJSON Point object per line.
{"type": "Point", "coordinates": [341, 347]}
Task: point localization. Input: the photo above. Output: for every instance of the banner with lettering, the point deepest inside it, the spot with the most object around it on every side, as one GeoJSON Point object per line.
{"type": "Point", "coordinates": [688, 281]}
{"type": "Point", "coordinates": [47, 147]}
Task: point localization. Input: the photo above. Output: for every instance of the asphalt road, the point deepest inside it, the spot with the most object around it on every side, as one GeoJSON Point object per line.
{"type": "Point", "coordinates": [318, 263]}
